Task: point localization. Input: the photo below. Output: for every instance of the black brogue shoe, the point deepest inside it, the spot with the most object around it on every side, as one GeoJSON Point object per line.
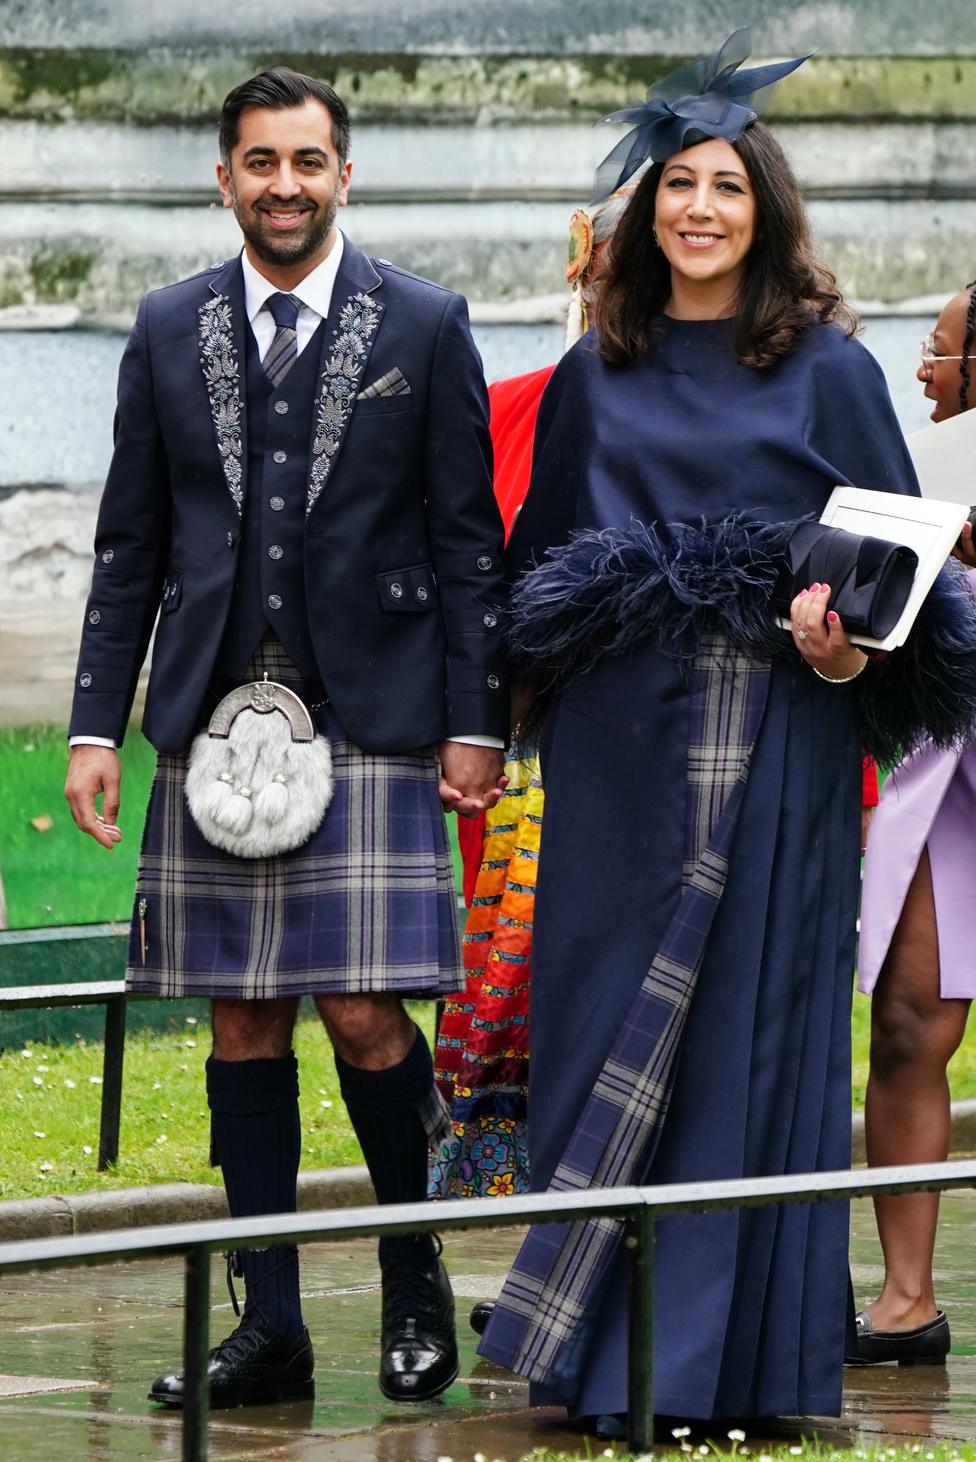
{"type": "Point", "coordinates": [420, 1355]}
{"type": "Point", "coordinates": [251, 1366]}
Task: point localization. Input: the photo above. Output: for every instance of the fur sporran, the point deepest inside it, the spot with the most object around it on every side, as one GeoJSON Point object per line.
{"type": "Point", "coordinates": [259, 779]}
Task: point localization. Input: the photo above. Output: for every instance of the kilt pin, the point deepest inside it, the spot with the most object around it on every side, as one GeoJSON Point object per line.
{"type": "Point", "coordinates": [329, 523]}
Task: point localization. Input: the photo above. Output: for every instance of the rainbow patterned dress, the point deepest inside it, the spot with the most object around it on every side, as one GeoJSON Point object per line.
{"type": "Point", "coordinates": [483, 1045]}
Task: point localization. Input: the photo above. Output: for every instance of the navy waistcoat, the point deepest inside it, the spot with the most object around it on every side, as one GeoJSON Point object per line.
{"type": "Point", "coordinates": [270, 586]}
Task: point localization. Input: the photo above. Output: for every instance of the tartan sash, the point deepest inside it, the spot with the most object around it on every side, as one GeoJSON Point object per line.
{"type": "Point", "coordinates": [544, 1316]}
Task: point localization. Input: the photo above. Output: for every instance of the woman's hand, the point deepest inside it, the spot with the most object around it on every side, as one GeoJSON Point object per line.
{"type": "Point", "coordinates": [820, 637]}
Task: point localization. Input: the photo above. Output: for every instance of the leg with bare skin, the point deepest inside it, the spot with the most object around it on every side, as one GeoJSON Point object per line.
{"type": "Point", "coordinates": [914, 1033]}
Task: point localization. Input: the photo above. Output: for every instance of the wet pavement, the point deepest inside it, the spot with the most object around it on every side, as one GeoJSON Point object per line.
{"type": "Point", "coordinates": [79, 1348]}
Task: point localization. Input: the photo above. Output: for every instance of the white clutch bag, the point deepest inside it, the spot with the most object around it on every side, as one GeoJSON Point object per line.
{"type": "Point", "coordinates": [259, 779]}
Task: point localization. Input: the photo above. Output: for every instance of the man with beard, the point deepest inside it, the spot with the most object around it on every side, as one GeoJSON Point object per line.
{"type": "Point", "coordinates": [301, 494]}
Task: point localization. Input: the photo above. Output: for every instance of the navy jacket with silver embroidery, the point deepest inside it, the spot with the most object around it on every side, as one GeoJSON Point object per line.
{"type": "Point", "coordinates": [402, 544]}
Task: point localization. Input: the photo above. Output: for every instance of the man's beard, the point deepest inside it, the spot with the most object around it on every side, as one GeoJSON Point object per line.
{"type": "Point", "coordinates": [286, 248]}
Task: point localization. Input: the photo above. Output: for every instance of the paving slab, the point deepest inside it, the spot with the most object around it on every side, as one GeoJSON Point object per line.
{"type": "Point", "coordinates": [78, 1350]}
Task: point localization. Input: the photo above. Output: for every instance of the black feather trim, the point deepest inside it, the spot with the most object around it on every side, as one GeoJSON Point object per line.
{"type": "Point", "coordinates": [926, 689]}
{"type": "Point", "coordinates": [611, 588]}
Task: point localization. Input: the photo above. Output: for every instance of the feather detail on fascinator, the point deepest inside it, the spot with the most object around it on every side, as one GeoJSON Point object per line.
{"type": "Point", "coordinates": [710, 97]}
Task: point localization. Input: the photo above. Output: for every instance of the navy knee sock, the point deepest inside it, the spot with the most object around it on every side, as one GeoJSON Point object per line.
{"type": "Point", "coordinates": [259, 1142]}
{"type": "Point", "coordinates": [385, 1110]}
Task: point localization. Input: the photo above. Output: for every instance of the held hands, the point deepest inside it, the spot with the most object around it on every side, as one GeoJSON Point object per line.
{"type": "Point", "coordinates": [820, 637]}
{"type": "Point", "coordinates": [94, 771]}
{"type": "Point", "coordinates": [472, 777]}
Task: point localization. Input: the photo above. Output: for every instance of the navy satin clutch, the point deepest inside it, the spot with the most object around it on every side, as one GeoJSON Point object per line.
{"type": "Point", "coordinates": [870, 578]}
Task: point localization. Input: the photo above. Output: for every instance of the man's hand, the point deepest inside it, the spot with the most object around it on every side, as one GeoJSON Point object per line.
{"type": "Point", "coordinates": [472, 777]}
{"type": "Point", "coordinates": [94, 771]}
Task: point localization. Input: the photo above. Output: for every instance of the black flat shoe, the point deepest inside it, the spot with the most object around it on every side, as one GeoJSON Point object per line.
{"type": "Point", "coordinates": [420, 1355]}
{"type": "Point", "coordinates": [480, 1315]}
{"type": "Point", "coordinates": [252, 1365]}
{"type": "Point", "coordinates": [925, 1345]}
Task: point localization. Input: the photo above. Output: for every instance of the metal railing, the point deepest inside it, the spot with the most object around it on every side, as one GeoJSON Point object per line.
{"type": "Point", "coordinates": [639, 1208]}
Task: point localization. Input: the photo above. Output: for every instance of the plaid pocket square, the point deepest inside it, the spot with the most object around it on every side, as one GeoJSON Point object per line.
{"type": "Point", "coordinates": [394, 383]}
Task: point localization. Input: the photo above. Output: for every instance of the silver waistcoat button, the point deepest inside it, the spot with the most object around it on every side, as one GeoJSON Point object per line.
{"type": "Point", "coordinates": [490, 621]}
{"type": "Point", "coordinates": [85, 681]}
{"type": "Point", "coordinates": [274, 601]}
{"type": "Point", "coordinates": [280, 456]}
{"type": "Point", "coordinates": [493, 682]}
{"type": "Point", "coordinates": [422, 594]}
{"type": "Point", "coordinates": [277, 503]}
{"type": "Point", "coordinates": [94, 616]}
{"type": "Point", "coordinates": [108, 555]}
{"type": "Point", "coordinates": [281, 407]}
{"type": "Point", "coordinates": [396, 591]}
{"type": "Point", "coordinates": [484, 563]}
{"type": "Point", "coordinates": [276, 551]}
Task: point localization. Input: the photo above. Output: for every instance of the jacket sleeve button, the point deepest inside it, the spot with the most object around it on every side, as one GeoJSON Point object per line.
{"type": "Point", "coordinates": [85, 680]}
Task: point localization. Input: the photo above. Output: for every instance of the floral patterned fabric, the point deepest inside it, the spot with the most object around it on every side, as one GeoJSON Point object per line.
{"type": "Point", "coordinates": [482, 1050]}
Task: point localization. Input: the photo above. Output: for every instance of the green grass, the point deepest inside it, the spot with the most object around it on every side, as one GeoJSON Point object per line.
{"type": "Point", "coordinates": [50, 1099]}
{"type": "Point", "coordinates": [60, 876]}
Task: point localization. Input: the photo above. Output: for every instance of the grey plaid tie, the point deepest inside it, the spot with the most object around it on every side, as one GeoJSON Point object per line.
{"type": "Point", "coordinates": [283, 350]}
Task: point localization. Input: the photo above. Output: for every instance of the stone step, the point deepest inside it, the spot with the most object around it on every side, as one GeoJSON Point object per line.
{"type": "Point", "coordinates": [165, 164]}
{"type": "Point", "coordinates": [182, 84]}
{"type": "Point", "coordinates": [671, 28]}
{"type": "Point", "coordinates": [101, 257]}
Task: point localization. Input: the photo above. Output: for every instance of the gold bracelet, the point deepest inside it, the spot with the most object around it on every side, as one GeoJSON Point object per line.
{"type": "Point", "coordinates": [840, 679]}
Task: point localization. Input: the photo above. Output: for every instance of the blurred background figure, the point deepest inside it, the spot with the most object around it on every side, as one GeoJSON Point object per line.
{"type": "Point", "coordinates": [918, 914]}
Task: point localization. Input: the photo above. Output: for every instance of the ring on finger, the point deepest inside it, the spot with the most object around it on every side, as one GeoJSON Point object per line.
{"type": "Point", "coordinates": [802, 634]}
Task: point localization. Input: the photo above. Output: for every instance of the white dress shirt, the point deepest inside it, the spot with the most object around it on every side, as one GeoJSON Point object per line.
{"type": "Point", "coordinates": [315, 296]}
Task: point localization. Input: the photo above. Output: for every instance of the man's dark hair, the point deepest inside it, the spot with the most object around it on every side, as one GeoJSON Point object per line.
{"type": "Point", "coordinates": [784, 287]}
{"type": "Point", "coordinates": [278, 90]}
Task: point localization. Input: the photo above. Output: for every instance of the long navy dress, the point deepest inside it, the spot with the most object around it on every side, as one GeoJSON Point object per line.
{"type": "Point", "coordinates": [750, 1307]}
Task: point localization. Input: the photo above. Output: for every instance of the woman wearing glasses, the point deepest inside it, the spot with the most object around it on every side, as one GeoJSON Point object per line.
{"type": "Point", "coordinates": [916, 956]}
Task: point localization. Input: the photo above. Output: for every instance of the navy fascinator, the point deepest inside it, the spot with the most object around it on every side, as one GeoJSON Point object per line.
{"type": "Point", "coordinates": [710, 97]}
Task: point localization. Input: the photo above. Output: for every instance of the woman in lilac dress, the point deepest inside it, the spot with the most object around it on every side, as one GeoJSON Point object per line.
{"type": "Point", "coordinates": [918, 923]}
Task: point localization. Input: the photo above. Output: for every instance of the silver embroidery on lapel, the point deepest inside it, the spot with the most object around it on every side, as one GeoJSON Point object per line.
{"type": "Point", "coordinates": [221, 372]}
{"type": "Point", "coordinates": [358, 320]}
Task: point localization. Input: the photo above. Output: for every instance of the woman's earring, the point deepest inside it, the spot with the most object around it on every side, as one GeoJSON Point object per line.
{"type": "Point", "coordinates": [657, 241]}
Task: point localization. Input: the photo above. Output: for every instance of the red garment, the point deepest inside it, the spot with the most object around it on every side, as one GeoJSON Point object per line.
{"type": "Point", "coordinates": [869, 783]}
{"type": "Point", "coordinates": [514, 407]}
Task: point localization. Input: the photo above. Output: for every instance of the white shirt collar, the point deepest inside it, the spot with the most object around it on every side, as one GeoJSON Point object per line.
{"type": "Point", "coordinates": [315, 290]}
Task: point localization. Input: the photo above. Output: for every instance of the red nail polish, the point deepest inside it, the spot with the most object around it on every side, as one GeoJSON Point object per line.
{"type": "Point", "coordinates": [833, 617]}
{"type": "Point", "coordinates": [814, 588]}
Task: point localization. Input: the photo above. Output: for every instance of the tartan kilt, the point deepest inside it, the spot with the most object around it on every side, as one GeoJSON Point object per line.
{"type": "Point", "coordinates": [368, 904]}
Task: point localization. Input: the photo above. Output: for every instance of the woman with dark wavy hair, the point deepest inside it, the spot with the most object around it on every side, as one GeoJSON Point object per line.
{"type": "Point", "coordinates": [698, 882]}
